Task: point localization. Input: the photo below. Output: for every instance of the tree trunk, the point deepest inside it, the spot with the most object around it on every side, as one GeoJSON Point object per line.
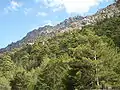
{"type": "Point", "coordinates": [96, 71]}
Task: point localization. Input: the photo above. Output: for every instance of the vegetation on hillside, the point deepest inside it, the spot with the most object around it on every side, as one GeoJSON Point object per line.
{"type": "Point", "coordinates": [75, 60]}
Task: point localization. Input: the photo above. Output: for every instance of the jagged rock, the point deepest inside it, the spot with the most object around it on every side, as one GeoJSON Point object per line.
{"type": "Point", "coordinates": [72, 22]}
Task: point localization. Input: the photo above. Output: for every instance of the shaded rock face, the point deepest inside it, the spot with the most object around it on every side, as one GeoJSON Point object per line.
{"type": "Point", "coordinates": [72, 22]}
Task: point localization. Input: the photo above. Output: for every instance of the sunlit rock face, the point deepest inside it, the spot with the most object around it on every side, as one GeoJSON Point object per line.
{"type": "Point", "coordinates": [68, 24]}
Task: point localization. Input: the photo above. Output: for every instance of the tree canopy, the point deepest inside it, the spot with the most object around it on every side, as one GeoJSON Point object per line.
{"type": "Point", "coordinates": [74, 60]}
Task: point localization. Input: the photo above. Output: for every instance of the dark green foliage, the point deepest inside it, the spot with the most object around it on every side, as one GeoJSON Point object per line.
{"type": "Point", "coordinates": [109, 28]}
{"type": "Point", "coordinates": [74, 60]}
{"type": "Point", "coordinates": [51, 77]}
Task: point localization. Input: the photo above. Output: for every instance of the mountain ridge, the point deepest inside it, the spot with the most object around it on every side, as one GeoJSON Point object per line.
{"type": "Point", "coordinates": [67, 24]}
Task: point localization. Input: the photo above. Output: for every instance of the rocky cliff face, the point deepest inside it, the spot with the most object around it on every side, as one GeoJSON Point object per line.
{"type": "Point", "coordinates": [72, 22]}
{"type": "Point", "coordinates": [108, 12]}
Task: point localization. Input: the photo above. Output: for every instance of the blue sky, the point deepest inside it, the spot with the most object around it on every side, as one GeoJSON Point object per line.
{"type": "Point", "coordinates": [18, 17]}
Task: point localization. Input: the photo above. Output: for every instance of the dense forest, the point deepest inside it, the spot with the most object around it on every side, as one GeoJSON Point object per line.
{"type": "Point", "coordinates": [75, 60]}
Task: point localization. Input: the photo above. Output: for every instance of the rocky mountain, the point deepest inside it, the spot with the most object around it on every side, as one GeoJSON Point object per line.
{"type": "Point", "coordinates": [72, 22]}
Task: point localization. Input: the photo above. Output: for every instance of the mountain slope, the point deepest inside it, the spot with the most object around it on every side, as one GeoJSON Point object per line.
{"type": "Point", "coordinates": [66, 25]}
{"type": "Point", "coordinates": [75, 60]}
